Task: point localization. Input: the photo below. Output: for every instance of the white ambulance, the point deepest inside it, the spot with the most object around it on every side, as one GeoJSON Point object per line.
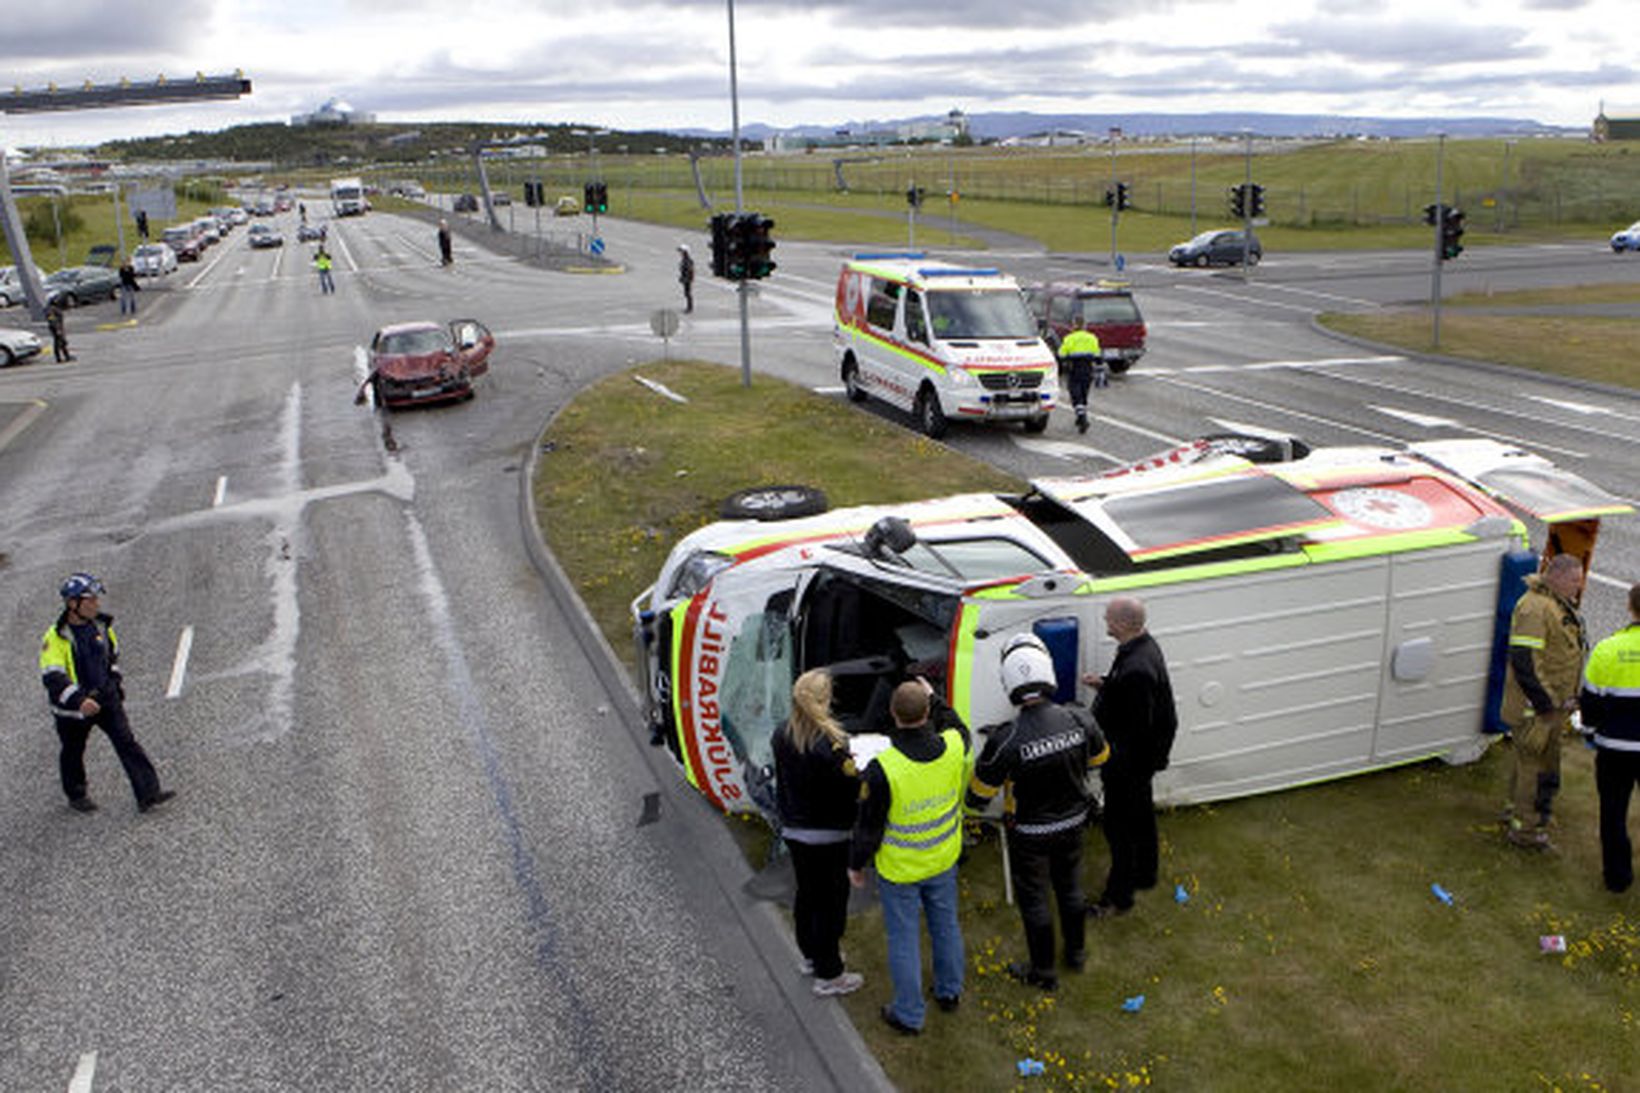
{"type": "Point", "coordinates": [943, 342]}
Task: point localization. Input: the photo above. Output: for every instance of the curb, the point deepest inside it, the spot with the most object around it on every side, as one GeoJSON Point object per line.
{"type": "Point", "coordinates": [768, 931]}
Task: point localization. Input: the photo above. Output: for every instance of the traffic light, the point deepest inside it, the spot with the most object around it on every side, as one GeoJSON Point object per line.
{"type": "Point", "coordinates": [721, 242]}
{"type": "Point", "coordinates": [1123, 201]}
{"type": "Point", "coordinates": [1238, 201]}
{"type": "Point", "coordinates": [1256, 202]}
{"type": "Point", "coordinates": [532, 194]}
{"type": "Point", "coordinates": [914, 196]}
{"type": "Point", "coordinates": [755, 228]}
{"type": "Point", "coordinates": [1110, 198]}
{"type": "Point", "coordinates": [589, 194]}
{"type": "Point", "coordinates": [1431, 214]}
{"type": "Point", "coordinates": [1451, 234]}
{"type": "Point", "coordinates": [600, 197]}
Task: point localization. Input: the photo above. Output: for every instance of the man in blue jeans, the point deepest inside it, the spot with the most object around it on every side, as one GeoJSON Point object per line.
{"type": "Point", "coordinates": [910, 827]}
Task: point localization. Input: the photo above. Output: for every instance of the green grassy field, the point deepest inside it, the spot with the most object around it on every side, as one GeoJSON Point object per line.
{"type": "Point", "coordinates": [1309, 951]}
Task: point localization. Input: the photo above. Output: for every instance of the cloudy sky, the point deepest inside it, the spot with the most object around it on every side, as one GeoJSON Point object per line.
{"type": "Point", "coordinates": [631, 64]}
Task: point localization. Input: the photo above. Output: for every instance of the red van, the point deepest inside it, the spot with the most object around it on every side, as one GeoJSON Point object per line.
{"type": "Point", "coordinates": [1108, 310]}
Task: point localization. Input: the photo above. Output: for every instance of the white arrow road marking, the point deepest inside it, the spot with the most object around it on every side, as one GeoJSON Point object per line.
{"type": "Point", "coordinates": [1064, 449]}
{"type": "Point", "coordinates": [1428, 421]}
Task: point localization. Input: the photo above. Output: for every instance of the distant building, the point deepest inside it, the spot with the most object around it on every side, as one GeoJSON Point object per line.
{"type": "Point", "coordinates": [333, 112]}
{"type": "Point", "coordinates": [1620, 125]}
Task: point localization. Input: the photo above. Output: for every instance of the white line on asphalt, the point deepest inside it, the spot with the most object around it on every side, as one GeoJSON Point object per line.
{"type": "Point", "coordinates": [1322, 295]}
{"type": "Point", "coordinates": [347, 255]}
{"type": "Point", "coordinates": [84, 1072]}
{"type": "Point", "coordinates": [1242, 298]}
{"type": "Point", "coordinates": [1265, 366]}
{"type": "Point", "coordinates": [221, 490]}
{"type": "Point", "coordinates": [278, 258]}
{"type": "Point", "coordinates": [179, 664]}
{"type": "Point", "coordinates": [11, 432]}
{"type": "Point", "coordinates": [209, 266]}
{"type": "Point", "coordinates": [1063, 449]}
{"type": "Point", "coordinates": [1610, 582]}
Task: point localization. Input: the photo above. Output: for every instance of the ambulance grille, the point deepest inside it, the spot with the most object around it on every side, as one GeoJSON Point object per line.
{"type": "Point", "coordinates": [1011, 381]}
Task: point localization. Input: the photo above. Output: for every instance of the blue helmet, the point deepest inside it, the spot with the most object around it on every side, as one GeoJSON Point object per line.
{"type": "Point", "coordinates": [80, 584]}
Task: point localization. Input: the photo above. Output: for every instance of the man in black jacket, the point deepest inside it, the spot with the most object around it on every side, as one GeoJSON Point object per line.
{"type": "Point", "coordinates": [1134, 708]}
{"type": "Point", "coordinates": [1041, 758]}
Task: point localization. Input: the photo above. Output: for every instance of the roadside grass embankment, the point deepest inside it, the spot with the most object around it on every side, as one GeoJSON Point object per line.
{"type": "Point", "coordinates": [1309, 948]}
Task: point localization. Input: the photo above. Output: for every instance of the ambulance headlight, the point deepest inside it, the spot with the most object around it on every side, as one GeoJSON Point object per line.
{"type": "Point", "coordinates": [961, 377]}
{"type": "Point", "coordinates": [697, 572]}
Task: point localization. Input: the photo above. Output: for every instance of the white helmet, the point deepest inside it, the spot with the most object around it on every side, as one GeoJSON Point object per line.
{"type": "Point", "coordinates": [1026, 666]}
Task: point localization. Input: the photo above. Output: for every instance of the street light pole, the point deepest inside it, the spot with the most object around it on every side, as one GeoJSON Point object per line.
{"type": "Point", "coordinates": [1115, 205]}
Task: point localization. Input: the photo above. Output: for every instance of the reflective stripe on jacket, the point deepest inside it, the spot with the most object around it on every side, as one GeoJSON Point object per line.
{"type": "Point", "coordinates": [923, 837]}
{"type": "Point", "coordinates": [57, 669]}
{"type": "Point", "coordinates": [1550, 628]}
{"type": "Point", "coordinates": [1610, 702]}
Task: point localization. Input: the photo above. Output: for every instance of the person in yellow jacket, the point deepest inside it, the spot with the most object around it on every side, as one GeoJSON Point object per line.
{"type": "Point", "coordinates": [322, 263]}
{"type": "Point", "coordinates": [909, 825]}
{"type": "Point", "coordinates": [79, 665]}
{"type": "Point", "coordinates": [1081, 357]}
{"type": "Point", "coordinates": [1610, 704]}
{"type": "Point", "coordinates": [1546, 649]}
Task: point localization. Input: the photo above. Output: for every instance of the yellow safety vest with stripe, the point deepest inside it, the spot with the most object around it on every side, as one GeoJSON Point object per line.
{"type": "Point", "coordinates": [57, 656]}
{"type": "Point", "coordinates": [1080, 342]}
{"type": "Point", "coordinates": [923, 837]}
{"type": "Point", "coordinates": [1611, 691]}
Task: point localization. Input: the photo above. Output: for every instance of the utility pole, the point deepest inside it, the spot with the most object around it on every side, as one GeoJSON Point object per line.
{"type": "Point", "coordinates": [1192, 187]}
{"type": "Point", "coordinates": [740, 205]}
{"type": "Point", "coordinates": [1115, 210]}
{"type": "Point", "coordinates": [1440, 232]}
{"type": "Point", "coordinates": [1247, 216]}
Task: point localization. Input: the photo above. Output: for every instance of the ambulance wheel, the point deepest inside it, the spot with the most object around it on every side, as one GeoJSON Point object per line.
{"type": "Point", "coordinates": [1036, 424]}
{"type": "Point", "coordinates": [851, 381]}
{"type": "Point", "coordinates": [930, 418]}
{"type": "Point", "coordinates": [774, 503]}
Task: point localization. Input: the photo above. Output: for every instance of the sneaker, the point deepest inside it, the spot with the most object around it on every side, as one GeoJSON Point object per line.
{"type": "Point", "coordinates": [847, 983]}
{"type": "Point", "coordinates": [948, 1003]}
{"type": "Point", "coordinates": [1076, 961]}
{"type": "Point", "coordinates": [807, 967]}
{"type": "Point", "coordinates": [1033, 978]}
{"type": "Point", "coordinates": [1081, 424]}
{"type": "Point", "coordinates": [1529, 839]}
{"type": "Point", "coordinates": [896, 1024]}
{"type": "Point", "coordinates": [1102, 909]}
{"type": "Point", "coordinates": [157, 799]}
{"type": "Point", "coordinates": [82, 804]}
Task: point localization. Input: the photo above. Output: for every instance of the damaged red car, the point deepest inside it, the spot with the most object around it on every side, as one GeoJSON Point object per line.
{"type": "Point", "coordinates": [424, 362]}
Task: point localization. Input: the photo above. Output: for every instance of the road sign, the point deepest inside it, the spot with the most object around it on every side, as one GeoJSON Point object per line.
{"type": "Point", "coordinates": [664, 322]}
{"type": "Point", "coordinates": [597, 245]}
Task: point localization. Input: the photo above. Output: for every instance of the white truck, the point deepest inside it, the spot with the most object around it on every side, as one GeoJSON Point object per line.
{"type": "Point", "coordinates": [347, 197]}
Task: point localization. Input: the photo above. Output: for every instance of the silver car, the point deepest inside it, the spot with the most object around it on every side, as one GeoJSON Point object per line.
{"type": "Point", "coordinates": [153, 260]}
{"type": "Point", "coordinates": [17, 345]}
{"type": "Point", "coordinates": [11, 286]}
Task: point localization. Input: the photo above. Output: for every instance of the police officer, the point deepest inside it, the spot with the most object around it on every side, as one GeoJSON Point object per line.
{"type": "Point", "coordinates": [910, 827]}
{"type": "Point", "coordinates": [1040, 760]}
{"type": "Point", "coordinates": [322, 263]}
{"type": "Point", "coordinates": [79, 665]}
{"type": "Point", "coordinates": [1546, 647]}
{"type": "Point", "coordinates": [1610, 705]}
{"type": "Point", "coordinates": [1080, 353]}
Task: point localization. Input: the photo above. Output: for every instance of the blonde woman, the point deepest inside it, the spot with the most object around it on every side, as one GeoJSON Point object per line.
{"type": "Point", "coordinates": [816, 792]}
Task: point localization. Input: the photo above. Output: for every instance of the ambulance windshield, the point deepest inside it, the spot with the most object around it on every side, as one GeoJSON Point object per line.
{"type": "Point", "coordinates": [979, 313]}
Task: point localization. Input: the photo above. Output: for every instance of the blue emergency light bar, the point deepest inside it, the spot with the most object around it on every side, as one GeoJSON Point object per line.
{"type": "Point", "coordinates": [936, 271]}
{"type": "Point", "coordinates": [884, 255]}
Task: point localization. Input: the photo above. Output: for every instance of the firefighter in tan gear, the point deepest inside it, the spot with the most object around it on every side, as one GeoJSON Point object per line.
{"type": "Point", "coordinates": [1546, 650]}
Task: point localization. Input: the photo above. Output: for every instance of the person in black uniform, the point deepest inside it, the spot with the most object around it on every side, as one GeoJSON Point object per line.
{"type": "Point", "coordinates": [1041, 760]}
{"type": "Point", "coordinates": [1134, 708]}
{"type": "Point", "coordinates": [817, 791]}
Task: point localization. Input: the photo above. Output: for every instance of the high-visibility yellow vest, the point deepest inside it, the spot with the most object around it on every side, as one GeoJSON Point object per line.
{"type": "Point", "coordinates": [1079, 343]}
{"type": "Point", "coordinates": [923, 837]}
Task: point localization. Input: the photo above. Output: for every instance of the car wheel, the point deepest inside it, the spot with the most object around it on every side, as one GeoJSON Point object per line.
{"type": "Point", "coordinates": [70, 300]}
{"type": "Point", "coordinates": [1201, 261]}
{"type": "Point", "coordinates": [851, 381]}
{"type": "Point", "coordinates": [1253, 259]}
{"type": "Point", "coordinates": [774, 503]}
{"type": "Point", "coordinates": [930, 418]}
{"type": "Point", "coordinates": [1118, 367]}
{"type": "Point", "coordinates": [6, 359]}
{"type": "Point", "coordinates": [1036, 424]}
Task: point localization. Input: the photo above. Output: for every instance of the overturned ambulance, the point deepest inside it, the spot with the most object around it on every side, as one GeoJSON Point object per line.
{"type": "Point", "coordinates": [1323, 612]}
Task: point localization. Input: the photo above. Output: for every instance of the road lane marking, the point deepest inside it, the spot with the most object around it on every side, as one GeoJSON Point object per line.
{"type": "Point", "coordinates": [84, 1072]}
{"type": "Point", "coordinates": [1268, 366]}
{"type": "Point", "coordinates": [179, 664]}
{"type": "Point", "coordinates": [1242, 298]}
{"type": "Point", "coordinates": [221, 491]}
{"type": "Point", "coordinates": [1064, 449]}
{"type": "Point", "coordinates": [1428, 421]}
{"type": "Point", "coordinates": [22, 421]}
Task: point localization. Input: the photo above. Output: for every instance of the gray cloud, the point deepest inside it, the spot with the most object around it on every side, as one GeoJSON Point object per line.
{"type": "Point", "coordinates": [97, 31]}
{"type": "Point", "coordinates": [1372, 42]}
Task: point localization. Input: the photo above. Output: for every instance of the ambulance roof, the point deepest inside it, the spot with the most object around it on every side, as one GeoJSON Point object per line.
{"type": "Point", "coordinates": [918, 269]}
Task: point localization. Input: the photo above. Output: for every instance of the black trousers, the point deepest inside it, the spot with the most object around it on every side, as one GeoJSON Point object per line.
{"type": "Point", "coordinates": [59, 346]}
{"type": "Point", "coordinates": [1044, 865]}
{"type": "Point", "coordinates": [1615, 775]}
{"type": "Point", "coordinates": [1080, 379]}
{"type": "Point", "coordinates": [821, 907]}
{"type": "Point", "coordinates": [112, 721]}
{"type": "Point", "coordinates": [1130, 830]}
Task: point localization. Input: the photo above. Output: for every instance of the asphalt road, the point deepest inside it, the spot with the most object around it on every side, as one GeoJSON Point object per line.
{"type": "Point", "coordinates": [410, 850]}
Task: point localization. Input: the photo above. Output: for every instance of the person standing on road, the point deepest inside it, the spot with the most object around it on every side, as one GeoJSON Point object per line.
{"type": "Point", "coordinates": [1134, 708]}
{"type": "Point", "coordinates": [59, 336]}
{"type": "Point", "coordinates": [686, 276]}
{"type": "Point", "coordinates": [1610, 706]}
{"type": "Point", "coordinates": [1042, 758]}
{"type": "Point", "coordinates": [322, 263]}
{"type": "Point", "coordinates": [444, 254]}
{"type": "Point", "coordinates": [1546, 648]}
{"type": "Point", "coordinates": [79, 665]}
{"type": "Point", "coordinates": [817, 792]}
{"type": "Point", "coordinates": [128, 288]}
{"type": "Point", "coordinates": [142, 223]}
{"type": "Point", "coordinates": [1079, 353]}
{"type": "Point", "coordinates": [910, 827]}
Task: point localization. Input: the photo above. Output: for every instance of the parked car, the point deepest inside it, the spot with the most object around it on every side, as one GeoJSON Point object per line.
{"type": "Point", "coordinates": [466, 203]}
{"type": "Point", "coordinates": [264, 236]}
{"type": "Point", "coordinates": [103, 254]}
{"type": "Point", "coordinates": [1110, 312]}
{"type": "Point", "coordinates": [11, 285]}
{"type": "Point", "coordinates": [500, 197]}
{"type": "Point", "coordinates": [1215, 248]}
{"type": "Point", "coordinates": [263, 208]}
{"type": "Point", "coordinates": [427, 362]}
{"type": "Point", "coordinates": [78, 285]}
{"type": "Point", "coordinates": [566, 206]}
{"type": "Point", "coordinates": [153, 260]}
{"type": "Point", "coordinates": [189, 248]}
{"type": "Point", "coordinates": [1627, 239]}
{"type": "Point", "coordinates": [1323, 612]}
{"type": "Point", "coordinates": [17, 345]}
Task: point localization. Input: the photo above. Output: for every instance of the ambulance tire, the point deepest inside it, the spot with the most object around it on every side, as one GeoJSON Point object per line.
{"type": "Point", "coordinates": [774, 503]}
{"type": "Point", "coordinates": [930, 418]}
{"type": "Point", "coordinates": [1036, 424]}
{"type": "Point", "coordinates": [851, 381]}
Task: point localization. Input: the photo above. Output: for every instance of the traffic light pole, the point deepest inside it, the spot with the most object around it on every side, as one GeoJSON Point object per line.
{"type": "Point", "coordinates": [1440, 235]}
{"type": "Point", "coordinates": [1115, 202]}
{"type": "Point", "coordinates": [740, 206]}
{"type": "Point", "coordinates": [1247, 216]}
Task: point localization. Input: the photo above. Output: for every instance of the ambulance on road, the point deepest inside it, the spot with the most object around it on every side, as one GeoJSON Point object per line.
{"type": "Point", "coordinates": [1323, 612]}
{"type": "Point", "coordinates": [942, 342]}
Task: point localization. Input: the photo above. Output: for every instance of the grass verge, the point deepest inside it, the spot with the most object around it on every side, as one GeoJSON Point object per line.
{"type": "Point", "coordinates": [1309, 951]}
{"type": "Point", "coordinates": [1584, 346]}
